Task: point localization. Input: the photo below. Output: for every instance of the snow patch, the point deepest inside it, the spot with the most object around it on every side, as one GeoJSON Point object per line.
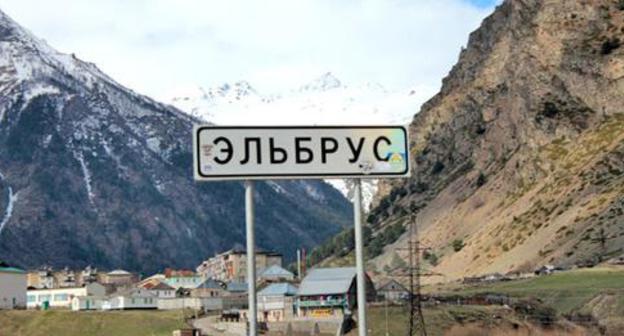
{"type": "Point", "coordinates": [153, 144]}
{"type": "Point", "coordinates": [276, 187]}
{"type": "Point", "coordinates": [9, 209]}
{"type": "Point", "coordinates": [39, 90]}
{"type": "Point", "coordinates": [46, 140]}
{"type": "Point", "coordinates": [87, 176]}
{"type": "Point", "coordinates": [314, 193]}
{"type": "Point", "coordinates": [369, 189]}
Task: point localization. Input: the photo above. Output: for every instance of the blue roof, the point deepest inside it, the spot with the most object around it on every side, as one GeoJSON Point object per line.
{"type": "Point", "coordinates": [236, 286]}
{"type": "Point", "coordinates": [276, 289]}
{"type": "Point", "coordinates": [322, 281]}
{"type": "Point", "coordinates": [12, 270]}
{"type": "Point", "coordinates": [277, 271]}
{"type": "Point", "coordinates": [210, 283]}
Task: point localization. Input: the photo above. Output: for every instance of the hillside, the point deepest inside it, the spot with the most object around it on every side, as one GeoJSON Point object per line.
{"type": "Point", "coordinates": [93, 173]}
{"type": "Point", "coordinates": [518, 160]}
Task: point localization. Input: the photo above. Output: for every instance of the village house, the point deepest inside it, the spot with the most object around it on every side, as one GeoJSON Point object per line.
{"type": "Point", "coordinates": [236, 288]}
{"type": "Point", "coordinates": [134, 298]}
{"type": "Point", "coordinates": [161, 290]}
{"type": "Point", "coordinates": [66, 278]}
{"type": "Point", "coordinates": [87, 276]}
{"type": "Point", "coordinates": [61, 297]}
{"type": "Point", "coordinates": [330, 293]}
{"type": "Point", "coordinates": [392, 291]}
{"type": "Point", "coordinates": [275, 302]}
{"type": "Point", "coordinates": [208, 288]}
{"type": "Point", "coordinates": [182, 279]}
{"type": "Point", "coordinates": [119, 278]}
{"type": "Point", "coordinates": [153, 280]}
{"type": "Point", "coordinates": [231, 265]}
{"type": "Point", "coordinates": [276, 273]}
{"type": "Point", "coordinates": [12, 287]}
{"type": "Point", "coordinates": [41, 278]}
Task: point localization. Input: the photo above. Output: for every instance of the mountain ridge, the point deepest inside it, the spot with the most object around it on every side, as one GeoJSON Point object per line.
{"type": "Point", "coordinates": [94, 173]}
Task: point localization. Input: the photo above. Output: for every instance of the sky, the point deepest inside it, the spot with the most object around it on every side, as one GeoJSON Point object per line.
{"type": "Point", "coordinates": [156, 47]}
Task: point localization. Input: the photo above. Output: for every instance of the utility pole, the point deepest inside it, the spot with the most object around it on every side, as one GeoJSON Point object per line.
{"type": "Point", "coordinates": [359, 259]}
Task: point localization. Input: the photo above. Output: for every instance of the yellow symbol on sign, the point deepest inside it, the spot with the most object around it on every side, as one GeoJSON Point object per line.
{"type": "Point", "coordinates": [396, 158]}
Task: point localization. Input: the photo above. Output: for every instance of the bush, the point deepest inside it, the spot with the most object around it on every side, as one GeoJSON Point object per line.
{"type": "Point", "coordinates": [431, 257]}
{"type": "Point", "coordinates": [438, 166]}
{"type": "Point", "coordinates": [609, 45]}
{"type": "Point", "coordinates": [458, 244]}
{"type": "Point", "coordinates": [481, 180]}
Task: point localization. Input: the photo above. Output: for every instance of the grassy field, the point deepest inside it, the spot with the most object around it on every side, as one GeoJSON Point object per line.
{"type": "Point", "coordinates": [438, 319]}
{"type": "Point", "coordinates": [68, 323]}
{"type": "Point", "coordinates": [567, 292]}
{"type": "Point", "coordinates": [444, 320]}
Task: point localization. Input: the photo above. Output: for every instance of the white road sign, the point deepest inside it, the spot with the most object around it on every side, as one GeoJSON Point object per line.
{"type": "Point", "coordinates": [222, 152]}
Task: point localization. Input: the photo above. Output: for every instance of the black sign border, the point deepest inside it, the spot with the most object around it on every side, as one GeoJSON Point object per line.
{"type": "Point", "coordinates": [196, 160]}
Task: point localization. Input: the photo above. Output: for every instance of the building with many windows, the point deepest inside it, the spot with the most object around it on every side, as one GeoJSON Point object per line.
{"type": "Point", "coordinates": [231, 265]}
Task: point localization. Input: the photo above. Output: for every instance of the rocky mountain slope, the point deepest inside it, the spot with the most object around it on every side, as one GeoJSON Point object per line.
{"type": "Point", "coordinates": [93, 173]}
{"type": "Point", "coordinates": [519, 159]}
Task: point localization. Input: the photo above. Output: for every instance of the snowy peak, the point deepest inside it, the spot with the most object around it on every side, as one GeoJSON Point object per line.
{"type": "Point", "coordinates": [323, 101]}
{"type": "Point", "coordinates": [325, 82]}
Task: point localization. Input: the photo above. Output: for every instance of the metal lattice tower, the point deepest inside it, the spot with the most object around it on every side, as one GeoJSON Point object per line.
{"type": "Point", "coordinates": [417, 320]}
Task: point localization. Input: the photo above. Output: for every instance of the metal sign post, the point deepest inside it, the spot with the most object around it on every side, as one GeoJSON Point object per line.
{"type": "Point", "coordinates": [359, 258]}
{"type": "Point", "coordinates": [295, 152]}
{"type": "Point", "coordinates": [252, 315]}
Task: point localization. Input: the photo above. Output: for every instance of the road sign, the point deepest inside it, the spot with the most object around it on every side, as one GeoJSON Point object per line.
{"type": "Point", "coordinates": [229, 153]}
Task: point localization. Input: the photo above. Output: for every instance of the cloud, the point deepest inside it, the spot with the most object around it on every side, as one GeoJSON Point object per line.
{"type": "Point", "coordinates": [154, 46]}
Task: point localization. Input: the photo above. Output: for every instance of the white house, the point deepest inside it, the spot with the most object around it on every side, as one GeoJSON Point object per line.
{"type": "Point", "coordinates": [135, 298]}
{"type": "Point", "coordinates": [12, 288]}
{"type": "Point", "coordinates": [87, 302]}
{"type": "Point", "coordinates": [162, 291]}
{"type": "Point", "coordinates": [61, 297]}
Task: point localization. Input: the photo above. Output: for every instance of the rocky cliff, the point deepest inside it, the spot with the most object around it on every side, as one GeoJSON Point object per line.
{"type": "Point", "coordinates": [519, 159]}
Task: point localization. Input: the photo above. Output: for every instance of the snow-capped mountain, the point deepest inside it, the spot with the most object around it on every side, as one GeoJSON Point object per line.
{"type": "Point", "coordinates": [325, 100]}
{"type": "Point", "coordinates": [93, 173]}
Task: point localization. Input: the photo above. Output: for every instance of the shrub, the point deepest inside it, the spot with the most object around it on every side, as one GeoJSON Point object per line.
{"type": "Point", "coordinates": [481, 180]}
{"type": "Point", "coordinates": [609, 45]}
{"type": "Point", "coordinates": [438, 166]}
{"type": "Point", "coordinates": [431, 257]}
{"type": "Point", "coordinates": [458, 244]}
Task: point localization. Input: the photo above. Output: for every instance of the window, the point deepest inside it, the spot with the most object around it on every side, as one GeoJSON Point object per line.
{"type": "Point", "coordinates": [43, 298]}
{"type": "Point", "coordinates": [31, 298]}
{"type": "Point", "coordinates": [60, 297]}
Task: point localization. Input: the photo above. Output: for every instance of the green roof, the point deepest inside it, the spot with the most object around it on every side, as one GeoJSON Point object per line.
{"type": "Point", "coordinates": [11, 270]}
